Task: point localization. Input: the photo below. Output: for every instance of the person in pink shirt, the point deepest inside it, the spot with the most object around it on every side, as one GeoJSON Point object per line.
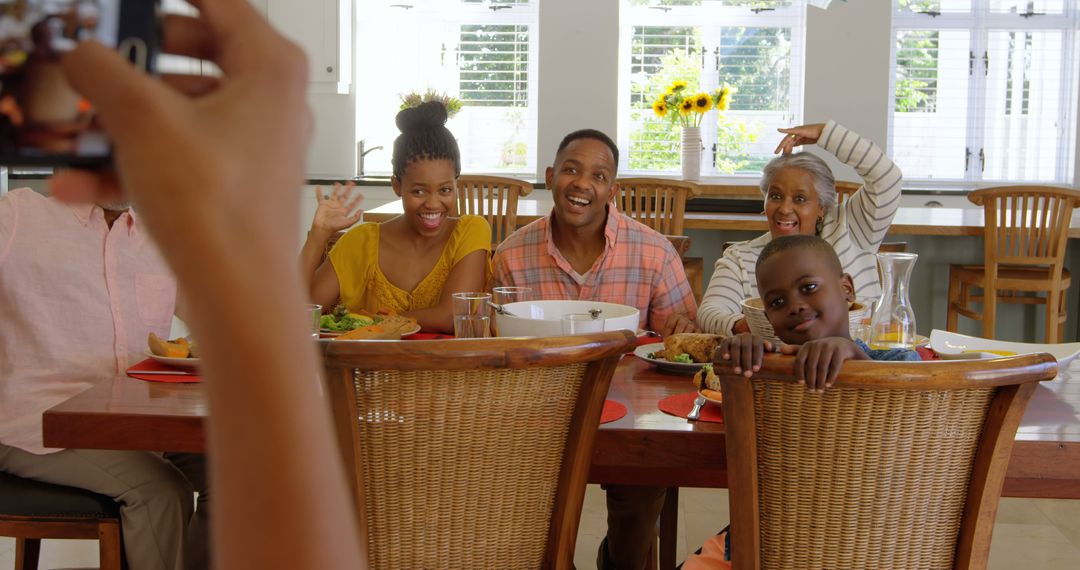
{"type": "Point", "coordinates": [81, 287]}
{"type": "Point", "coordinates": [587, 249]}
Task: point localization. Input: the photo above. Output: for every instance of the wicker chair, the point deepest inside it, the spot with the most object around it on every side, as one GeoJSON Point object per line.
{"type": "Point", "coordinates": [471, 453]}
{"type": "Point", "coordinates": [899, 465]}
{"type": "Point", "coordinates": [32, 510]}
{"type": "Point", "coordinates": [1025, 233]}
{"type": "Point", "coordinates": [656, 202]}
{"type": "Point", "coordinates": [493, 197]}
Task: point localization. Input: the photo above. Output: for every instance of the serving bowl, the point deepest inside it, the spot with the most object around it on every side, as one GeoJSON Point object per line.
{"type": "Point", "coordinates": [754, 310]}
{"type": "Point", "coordinates": [544, 318]}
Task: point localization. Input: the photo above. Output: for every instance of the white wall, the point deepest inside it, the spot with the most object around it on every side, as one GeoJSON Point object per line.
{"type": "Point", "coordinates": [847, 71]}
{"type": "Point", "coordinates": [579, 72]}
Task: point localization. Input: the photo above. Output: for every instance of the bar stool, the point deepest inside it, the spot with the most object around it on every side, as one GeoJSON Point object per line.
{"type": "Point", "coordinates": [1025, 231]}
{"type": "Point", "coordinates": [32, 510]}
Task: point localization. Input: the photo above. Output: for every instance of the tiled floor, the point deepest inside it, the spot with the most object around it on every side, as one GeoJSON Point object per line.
{"type": "Point", "coordinates": [1033, 534]}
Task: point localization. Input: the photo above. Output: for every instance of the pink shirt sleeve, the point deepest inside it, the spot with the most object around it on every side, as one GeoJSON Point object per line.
{"type": "Point", "coordinates": [671, 293]}
{"type": "Point", "coordinates": [9, 221]}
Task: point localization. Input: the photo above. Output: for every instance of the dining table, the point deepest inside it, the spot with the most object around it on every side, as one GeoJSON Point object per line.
{"type": "Point", "coordinates": [645, 447]}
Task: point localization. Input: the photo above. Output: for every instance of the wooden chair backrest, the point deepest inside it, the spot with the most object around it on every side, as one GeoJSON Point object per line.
{"type": "Point", "coordinates": [899, 465]}
{"type": "Point", "coordinates": [680, 243]}
{"type": "Point", "coordinates": [471, 453]}
{"type": "Point", "coordinates": [1025, 225]}
{"type": "Point", "coordinates": [656, 202]}
{"type": "Point", "coordinates": [493, 197]}
{"type": "Point", "coordinates": [844, 190]}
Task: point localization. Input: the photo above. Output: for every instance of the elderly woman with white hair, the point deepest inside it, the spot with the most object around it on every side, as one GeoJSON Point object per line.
{"type": "Point", "coordinates": [800, 198]}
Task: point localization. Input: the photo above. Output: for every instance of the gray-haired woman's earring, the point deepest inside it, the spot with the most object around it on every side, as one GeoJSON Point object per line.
{"type": "Point", "coordinates": [818, 227]}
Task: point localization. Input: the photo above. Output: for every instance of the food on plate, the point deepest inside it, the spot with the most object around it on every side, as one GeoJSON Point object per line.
{"type": "Point", "coordinates": [175, 348]}
{"type": "Point", "coordinates": [389, 328]}
{"type": "Point", "coordinates": [708, 383]}
{"type": "Point", "coordinates": [698, 347]}
{"type": "Point", "coordinates": [340, 319]}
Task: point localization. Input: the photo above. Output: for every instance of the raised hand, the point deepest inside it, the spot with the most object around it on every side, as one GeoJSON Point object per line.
{"type": "Point", "coordinates": [339, 210]}
{"type": "Point", "coordinates": [795, 136]}
{"type": "Point", "coordinates": [745, 352]}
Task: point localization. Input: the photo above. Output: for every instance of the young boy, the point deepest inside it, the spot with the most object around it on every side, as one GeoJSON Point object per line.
{"type": "Point", "coordinates": [806, 296]}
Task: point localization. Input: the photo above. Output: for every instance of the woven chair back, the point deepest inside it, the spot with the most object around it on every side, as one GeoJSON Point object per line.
{"type": "Point", "coordinates": [899, 465]}
{"type": "Point", "coordinates": [656, 202]}
{"type": "Point", "coordinates": [1025, 225]}
{"type": "Point", "coordinates": [493, 197]}
{"type": "Point", "coordinates": [472, 453]}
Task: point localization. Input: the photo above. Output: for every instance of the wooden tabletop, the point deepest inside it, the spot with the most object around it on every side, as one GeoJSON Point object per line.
{"type": "Point", "coordinates": [908, 220]}
{"type": "Point", "coordinates": [645, 447]}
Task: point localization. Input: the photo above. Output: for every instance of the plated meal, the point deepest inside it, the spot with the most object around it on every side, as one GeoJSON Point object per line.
{"type": "Point", "coordinates": [391, 327]}
{"type": "Point", "coordinates": [685, 353]}
{"type": "Point", "coordinates": [182, 352]}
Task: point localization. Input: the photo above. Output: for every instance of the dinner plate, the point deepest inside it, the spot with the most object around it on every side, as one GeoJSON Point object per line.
{"type": "Point", "coordinates": [713, 400]}
{"type": "Point", "coordinates": [950, 345]}
{"type": "Point", "coordinates": [645, 350]}
{"type": "Point", "coordinates": [177, 362]}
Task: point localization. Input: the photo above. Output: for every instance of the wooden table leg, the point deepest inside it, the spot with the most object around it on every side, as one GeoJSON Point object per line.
{"type": "Point", "coordinates": [669, 528]}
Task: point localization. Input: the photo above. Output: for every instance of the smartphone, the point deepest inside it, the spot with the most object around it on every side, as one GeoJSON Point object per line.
{"type": "Point", "coordinates": [43, 121]}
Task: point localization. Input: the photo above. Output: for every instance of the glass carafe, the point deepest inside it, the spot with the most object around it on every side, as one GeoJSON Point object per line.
{"type": "Point", "coordinates": [893, 324]}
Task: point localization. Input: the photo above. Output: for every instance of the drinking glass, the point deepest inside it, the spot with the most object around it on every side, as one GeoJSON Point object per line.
{"type": "Point", "coordinates": [578, 323]}
{"type": "Point", "coordinates": [472, 315]}
{"type": "Point", "coordinates": [316, 313]}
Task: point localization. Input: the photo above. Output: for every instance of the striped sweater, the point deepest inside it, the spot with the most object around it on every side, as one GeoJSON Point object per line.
{"type": "Point", "coordinates": [855, 230]}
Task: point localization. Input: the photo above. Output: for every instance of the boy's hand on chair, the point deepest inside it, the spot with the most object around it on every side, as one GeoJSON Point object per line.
{"type": "Point", "coordinates": [745, 351]}
{"type": "Point", "coordinates": [818, 362]}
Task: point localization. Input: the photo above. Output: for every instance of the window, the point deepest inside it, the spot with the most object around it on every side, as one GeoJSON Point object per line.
{"type": "Point", "coordinates": [481, 51]}
{"type": "Point", "coordinates": [984, 90]}
{"type": "Point", "coordinates": [753, 46]}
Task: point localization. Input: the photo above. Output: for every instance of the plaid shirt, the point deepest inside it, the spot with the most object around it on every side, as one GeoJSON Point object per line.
{"type": "Point", "coordinates": [639, 267]}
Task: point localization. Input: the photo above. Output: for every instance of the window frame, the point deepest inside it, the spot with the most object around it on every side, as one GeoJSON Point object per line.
{"type": "Point", "coordinates": [981, 22]}
{"type": "Point", "coordinates": [455, 14]}
{"type": "Point", "coordinates": [792, 17]}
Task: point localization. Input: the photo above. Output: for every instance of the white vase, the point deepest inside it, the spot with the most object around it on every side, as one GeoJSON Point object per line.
{"type": "Point", "coordinates": [691, 153]}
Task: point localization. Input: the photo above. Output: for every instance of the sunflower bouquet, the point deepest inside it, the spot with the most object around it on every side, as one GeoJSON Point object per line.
{"type": "Point", "coordinates": [682, 106]}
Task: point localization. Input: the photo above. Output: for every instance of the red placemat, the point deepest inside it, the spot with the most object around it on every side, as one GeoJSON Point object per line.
{"type": "Point", "coordinates": [927, 353]}
{"type": "Point", "coordinates": [680, 404]}
{"type": "Point", "coordinates": [151, 365]}
{"type": "Point", "coordinates": [612, 411]}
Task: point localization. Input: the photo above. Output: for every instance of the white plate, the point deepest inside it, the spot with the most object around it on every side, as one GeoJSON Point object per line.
{"type": "Point", "coordinates": [950, 345]}
{"type": "Point", "coordinates": [645, 350]}
{"type": "Point", "coordinates": [177, 362]}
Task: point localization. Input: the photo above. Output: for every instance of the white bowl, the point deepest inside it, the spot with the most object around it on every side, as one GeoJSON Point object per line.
{"type": "Point", "coordinates": [544, 318]}
{"type": "Point", "coordinates": [754, 310]}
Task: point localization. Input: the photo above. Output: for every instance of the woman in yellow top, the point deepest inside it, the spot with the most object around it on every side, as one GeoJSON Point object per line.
{"type": "Point", "coordinates": [414, 262]}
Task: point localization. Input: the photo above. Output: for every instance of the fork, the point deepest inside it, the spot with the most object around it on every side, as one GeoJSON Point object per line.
{"type": "Point", "coordinates": [695, 412]}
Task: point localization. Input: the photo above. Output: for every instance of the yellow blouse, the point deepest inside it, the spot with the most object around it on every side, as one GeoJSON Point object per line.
{"type": "Point", "coordinates": [363, 286]}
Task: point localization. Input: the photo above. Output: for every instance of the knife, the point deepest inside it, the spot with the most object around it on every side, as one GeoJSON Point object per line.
{"type": "Point", "coordinates": [695, 412]}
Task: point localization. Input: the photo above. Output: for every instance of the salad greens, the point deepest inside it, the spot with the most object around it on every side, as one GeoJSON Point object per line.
{"type": "Point", "coordinates": [342, 320]}
{"type": "Point", "coordinates": [684, 358]}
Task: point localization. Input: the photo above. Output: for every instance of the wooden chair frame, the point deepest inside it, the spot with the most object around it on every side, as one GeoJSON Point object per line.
{"type": "Point", "coordinates": [601, 352]}
{"type": "Point", "coordinates": [1014, 379]}
{"type": "Point", "coordinates": [493, 197]}
{"type": "Point", "coordinates": [1021, 253]}
{"type": "Point", "coordinates": [29, 531]}
{"type": "Point", "coordinates": [659, 203]}
{"type": "Point", "coordinates": [845, 189]}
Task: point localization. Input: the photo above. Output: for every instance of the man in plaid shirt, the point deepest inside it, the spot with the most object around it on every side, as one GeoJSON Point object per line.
{"type": "Point", "coordinates": [587, 249]}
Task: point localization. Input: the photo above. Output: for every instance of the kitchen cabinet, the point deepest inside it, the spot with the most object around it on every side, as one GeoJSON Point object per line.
{"type": "Point", "coordinates": [323, 29]}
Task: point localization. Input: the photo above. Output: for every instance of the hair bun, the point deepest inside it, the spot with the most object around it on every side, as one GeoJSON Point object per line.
{"type": "Point", "coordinates": [426, 115]}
